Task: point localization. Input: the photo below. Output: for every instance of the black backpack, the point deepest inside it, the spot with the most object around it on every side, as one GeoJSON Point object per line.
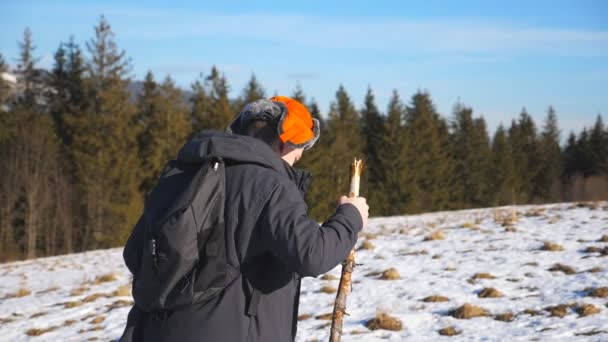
{"type": "Point", "coordinates": [177, 252]}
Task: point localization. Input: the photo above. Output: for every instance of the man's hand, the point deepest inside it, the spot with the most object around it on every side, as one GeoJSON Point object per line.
{"type": "Point", "coordinates": [360, 203]}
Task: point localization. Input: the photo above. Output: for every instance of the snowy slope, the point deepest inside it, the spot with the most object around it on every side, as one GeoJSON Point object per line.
{"type": "Point", "coordinates": [86, 296]}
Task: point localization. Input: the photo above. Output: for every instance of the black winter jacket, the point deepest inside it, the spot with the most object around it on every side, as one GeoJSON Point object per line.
{"type": "Point", "coordinates": [272, 239]}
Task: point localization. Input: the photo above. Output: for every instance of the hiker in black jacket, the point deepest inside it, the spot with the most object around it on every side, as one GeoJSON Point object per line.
{"type": "Point", "coordinates": [269, 235]}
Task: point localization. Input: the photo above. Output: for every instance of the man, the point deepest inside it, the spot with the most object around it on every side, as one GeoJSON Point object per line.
{"type": "Point", "coordinates": [269, 236]}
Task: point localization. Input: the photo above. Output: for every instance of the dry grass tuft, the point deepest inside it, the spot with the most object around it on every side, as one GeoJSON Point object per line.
{"type": "Point", "coordinates": [469, 225]}
{"type": "Point", "coordinates": [600, 292]}
{"type": "Point", "coordinates": [93, 297]}
{"type": "Point", "coordinates": [558, 310]}
{"type": "Point", "coordinates": [304, 317]}
{"type": "Point", "coordinates": [73, 304]}
{"type": "Point", "coordinates": [69, 322]}
{"type": "Point", "coordinates": [49, 290]}
{"type": "Point", "coordinates": [510, 229]}
{"type": "Point", "coordinates": [595, 269]}
{"type": "Point", "coordinates": [373, 274]}
{"type": "Point", "coordinates": [562, 268]}
{"type": "Point", "coordinates": [98, 320]}
{"type": "Point", "coordinates": [604, 238]}
{"type": "Point", "coordinates": [328, 289]}
{"type": "Point", "coordinates": [592, 249]}
{"type": "Point", "coordinates": [587, 310]}
{"type": "Point", "coordinates": [390, 274]}
{"type": "Point", "coordinates": [551, 247]}
{"type": "Point", "coordinates": [505, 317]}
{"type": "Point", "coordinates": [449, 331]}
{"type": "Point", "coordinates": [104, 278]}
{"type": "Point", "coordinates": [468, 311]}
{"type": "Point", "coordinates": [366, 245]}
{"type": "Point", "coordinates": [436, 235]}
{"type": "Point", "coordinates": [119, 304]}
{"type": "Point", "coordinates": [435, 299]}
{"type": "Point", "coordinates": [367, 235]}
{"type": "Point", "coordinates": [489, 292]}
{"type": "Point", "coordinates": [39, 314]}
{"type": "Point", "coordinates": [22, 292]}
{"type": "Point", "coordinates": [329, 277]}
{"type": "Point", "coordinates": [480, 275]}
{"type": "Point", "coordinates": [38, 332]}
{"type": "Point", "coordinates": [531, 312]}
{"type": "Point", "coordinates": [79, 291]}
{"type": "Point", "coordinates": [325, 317]}
{"type": "Point", "coordinates": [385, 322]}
{"type": "Point", "coordinates": [122, 291]}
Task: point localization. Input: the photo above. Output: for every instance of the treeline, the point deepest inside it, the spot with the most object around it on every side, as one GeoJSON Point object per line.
{"type": "Point", "coordinates": [79, 153]}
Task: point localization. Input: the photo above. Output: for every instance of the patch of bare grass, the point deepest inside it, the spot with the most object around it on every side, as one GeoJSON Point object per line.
{"type": "Point", "coordinates": [604, 238]}
{"type": "Point", "coordinates": [79, 291]}
{"type": "Point", "coordinates": [385, 322]}
{"type": "Point", "coordinates": [367, 245]}
{"type": "Point", "coordinates": [531, 312]}
{"type": "Point", "coordinates": [329, 277]}
{"type": "Point", "coordinates": [562, 268]}
{"type": "Point", "coordinates": [119, 304]}
{"type": "Point", "coordinates": [38, 332]}
{"type": "Point", "coordinates": [39, 314]}
{"type": "Point", "coordinates": [21, 292]}
{"type": "Point", "coordinates": [104, 278]}
{"type": "Point", "coordinates": [390, 274]}
{"type": "Point", "coordinates": [325, 317]}
{"type": "Point", "coordinates": [587, 310]}
{"type": "Point", "coordinates": [93, 297]}
{"type": "Point", "coordinates": [69, 322]}
{"type": "Point", "coordinates": [505, 317]}
{"type": "Point", "coordinates": [122, 291]}
{"type": "Point", "coordinates": [304, 317]}
{"type": "Point", "coordinates": [98, 320]}
{"type": "Point", "coordinates": [72, 304]}
{"type": "Point", "coordinates": [489, 292]}
{"type": "Point", "coordinates": [435, 299]}
{"type": "Point", "coordinates": [558, 310]}
{"type": "Point", "coordinates": [468, 311]}
{"type": "Point", "coordinates": [600, 292]}
{"type": "Point", "coordinates": [551, 247]}
{"type": "Point", "coordinates": [436, 235]}
{"type": "Point", "coordinates": [328, 289]}
{"type": "Point", "coordinates": [449, 331]}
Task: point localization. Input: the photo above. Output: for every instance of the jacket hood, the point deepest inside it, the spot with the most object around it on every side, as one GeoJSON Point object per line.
{"type": "Point", "coordinates": [234, 147]}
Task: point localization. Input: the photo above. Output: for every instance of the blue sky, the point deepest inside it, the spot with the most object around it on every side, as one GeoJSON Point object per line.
{"type": "Point", "coordinates": [496, 56]}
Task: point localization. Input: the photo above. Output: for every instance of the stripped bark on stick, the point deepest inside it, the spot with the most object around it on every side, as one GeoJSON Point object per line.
{"type": "Point", "coordinates": [347, 266]}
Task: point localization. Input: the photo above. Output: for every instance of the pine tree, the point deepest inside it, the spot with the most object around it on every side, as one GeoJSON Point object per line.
{"type": "Point", "coordinates": [598, 144]}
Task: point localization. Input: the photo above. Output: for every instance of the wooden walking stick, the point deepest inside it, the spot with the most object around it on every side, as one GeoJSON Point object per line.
{"type": "Point", "coordinates": [347, 266]}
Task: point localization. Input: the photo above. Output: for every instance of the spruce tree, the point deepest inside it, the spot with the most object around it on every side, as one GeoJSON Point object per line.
{"type": "Point", "coordinates": [345, 143]}
{"type": "Point", "coordinates": [372, 130]}
{"type": "Point", "coordinates": [524, 144]}
{"type": "Point", "coordinates": [470, 150]}
{"type": "Point", "coordinates": [165, 127]}
{"type": "Point", "coordinates": [391, 161]}
{"type": "Point", "coordinates": [428, 164]}
{"type": "Point", "coordinates": [220, 111]}
{"type": "Point", "coordinates": [502, 169]}
{"type": "Point", "coordinates": [105, 145]}
{"type": "Point", "coordinates": [548, 181]}
{"type": "Point", "coordinates": [598, 145]}
{"type": "Point", "coordinates": [31, 92]}
{"type": "Point", "coordinates": [200, 105]}
{"type": "Point", "coordinates": [253, 91]}
{"type": "Point", "coordinates": [5, 88]}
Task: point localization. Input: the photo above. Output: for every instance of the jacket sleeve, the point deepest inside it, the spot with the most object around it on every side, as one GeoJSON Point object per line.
{"type": "Point", "coordinates": [298, 240]}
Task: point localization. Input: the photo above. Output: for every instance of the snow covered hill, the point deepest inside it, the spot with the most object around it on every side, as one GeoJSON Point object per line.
{"type": "Point", "coordinates": [530, 273]}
